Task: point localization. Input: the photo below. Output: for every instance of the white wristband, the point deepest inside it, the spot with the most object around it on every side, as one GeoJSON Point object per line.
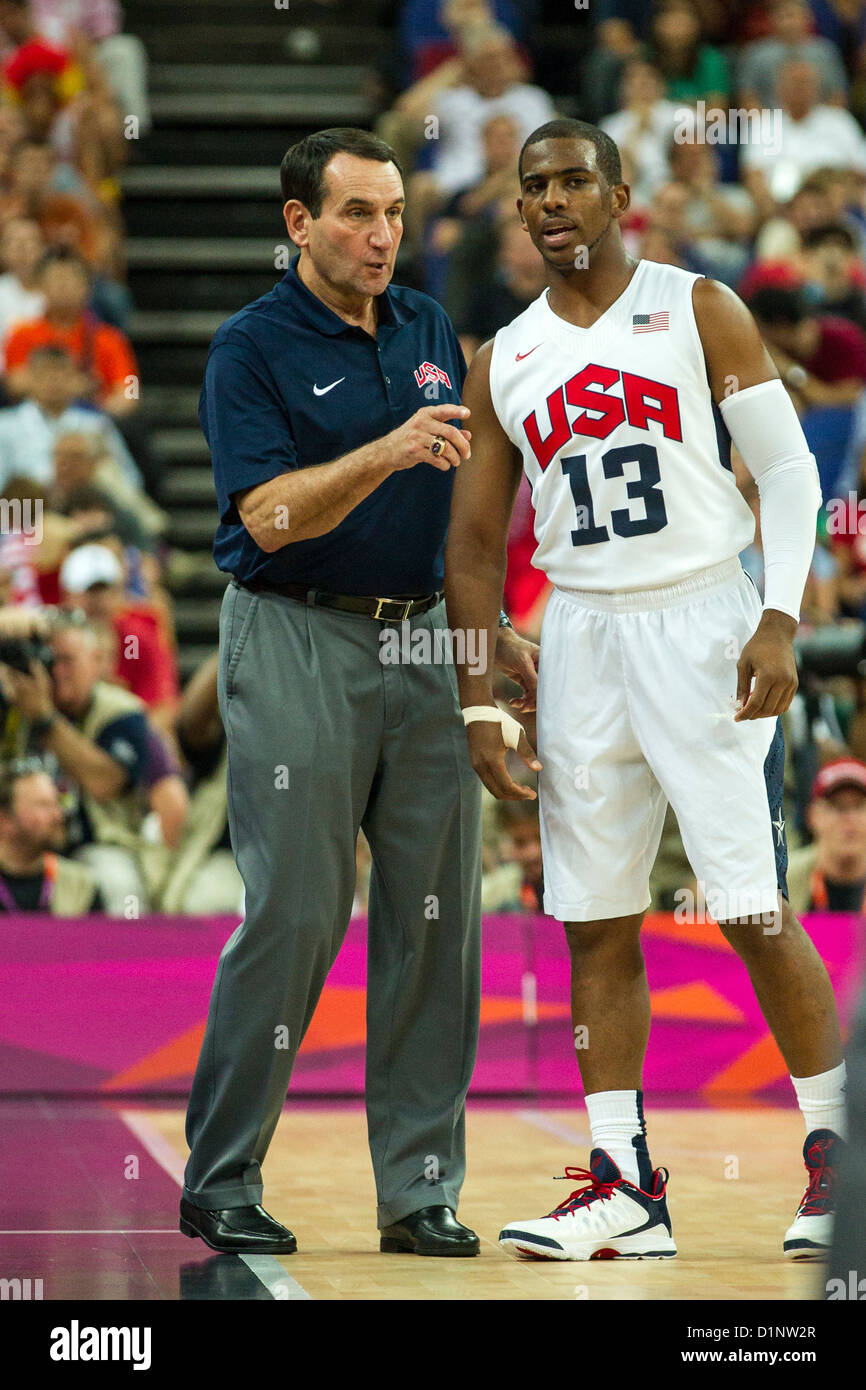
{"type": "Point", "coordinates": [511, 728]}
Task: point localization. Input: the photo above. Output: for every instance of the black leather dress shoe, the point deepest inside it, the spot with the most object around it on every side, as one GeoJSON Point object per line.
{"type": "Point", "coordinates": [430, 1231]}
{"type": "Point", "coordinates": [237, 1230]}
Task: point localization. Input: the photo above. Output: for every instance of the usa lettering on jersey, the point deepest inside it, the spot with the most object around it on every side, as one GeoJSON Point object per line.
{"type": "Point", "coordinates": [624, 448]}
{"type": "Point", "coordinates": [642, 400]}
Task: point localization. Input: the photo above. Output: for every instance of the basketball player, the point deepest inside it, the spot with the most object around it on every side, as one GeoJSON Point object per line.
{"type": "Point", "coordinates": [661, 678]}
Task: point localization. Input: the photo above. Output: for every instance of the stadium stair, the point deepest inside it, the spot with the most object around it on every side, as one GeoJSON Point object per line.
{"type": "Point", "coordinates": [232, 85]}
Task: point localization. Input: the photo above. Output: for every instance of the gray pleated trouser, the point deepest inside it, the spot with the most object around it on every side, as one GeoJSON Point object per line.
{"type": "Point", "coordinates": [323, 737]}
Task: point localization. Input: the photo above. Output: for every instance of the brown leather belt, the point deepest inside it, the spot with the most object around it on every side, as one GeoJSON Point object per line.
{"type": "Point", "coordinates": [387, 610]}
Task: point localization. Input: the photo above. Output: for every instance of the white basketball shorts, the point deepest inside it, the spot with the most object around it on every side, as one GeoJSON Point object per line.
{"type": "Point", "coordinates": [636, 696]}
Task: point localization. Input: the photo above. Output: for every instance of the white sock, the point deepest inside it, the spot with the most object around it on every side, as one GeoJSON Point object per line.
{"type": "Point", "coordinates": [617, 1124]}
{"type": "Point", "coordinates": [822, 1100]}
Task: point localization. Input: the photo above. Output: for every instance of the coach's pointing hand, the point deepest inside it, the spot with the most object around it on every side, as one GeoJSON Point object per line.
{"type": "Point", "coordinates": [413, 442]}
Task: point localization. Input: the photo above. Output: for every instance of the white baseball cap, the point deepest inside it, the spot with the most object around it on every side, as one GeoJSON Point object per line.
{"type": "Point", "coordinates": [88, 565]}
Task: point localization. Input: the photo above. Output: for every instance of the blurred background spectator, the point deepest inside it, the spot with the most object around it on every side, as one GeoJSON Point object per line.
{"type": "Point", "coordinates": [57, 704]}
{"type": "Point", "coordinates": [802, 136]}
{"type": "Point", "coordinates": [515, 279]}
{"type": "Point", "coordinates": [691, 69]}
{"type": "Point", "coordinates": [101, 353]}
{"type": "Point", "coordinates": [449, 110]}
{"type": "Point", "coordinates": [643, 127]}
{"type": "Point", "coordinates": [85, 25]}
{"type": "Point", "coordinates": [791, 40]}
{"type": "Point", "coordinates": [830, 873]}
{"type": "Point", "coordinates": [142, 656]}
{"type": "Point", "coordinates": [21, 299]}
{"type": "Point", "coordinates": [204, 876]}
{"type": "Point", "coordinates": [517, 884]}
{"type": "Point", "coordinates": [34, 876]}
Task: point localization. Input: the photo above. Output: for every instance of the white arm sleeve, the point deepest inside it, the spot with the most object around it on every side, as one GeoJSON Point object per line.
{"type": "Point", "coordinates": [763, 424]}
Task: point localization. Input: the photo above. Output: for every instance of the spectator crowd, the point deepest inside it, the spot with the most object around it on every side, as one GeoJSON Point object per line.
{"type": "Point", "coordinates": [741, 127]}
{"type": "Point", "coordinates": [111, 780]}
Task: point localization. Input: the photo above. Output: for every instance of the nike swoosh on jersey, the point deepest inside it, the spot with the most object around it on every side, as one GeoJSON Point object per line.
{"type": "Point", "coordinates": [520, 355]}
{"type": "Point", "coordinates": [323, 390]}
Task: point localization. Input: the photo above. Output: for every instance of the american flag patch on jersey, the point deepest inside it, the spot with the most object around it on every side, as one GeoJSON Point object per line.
{"type": "Point", "coordinates": [651, 323]}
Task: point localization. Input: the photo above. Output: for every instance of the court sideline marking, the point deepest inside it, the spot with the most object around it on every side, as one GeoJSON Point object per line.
{"type": "Point", "coordinates": [573, 1135]}
{"type": "Point", "coordinates": [540, 1120]}
{"type": "Point", "coordinates": [266, 1268]}
{"type": "Point", "coordinates": [103, 1231]}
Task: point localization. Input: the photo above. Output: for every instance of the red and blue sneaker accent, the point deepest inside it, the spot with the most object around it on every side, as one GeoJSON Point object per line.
{"type": "Point", "coordinates": [810, 1234]}
{"type": "Point", "coordinates": [607, 1218]}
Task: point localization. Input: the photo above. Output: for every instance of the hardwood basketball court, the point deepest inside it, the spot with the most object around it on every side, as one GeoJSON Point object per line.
{"type": "Point", "coordinates": [729, 1229]}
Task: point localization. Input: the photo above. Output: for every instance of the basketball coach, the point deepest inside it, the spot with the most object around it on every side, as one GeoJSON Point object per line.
{"type": "Point", "coordinates": [331, 408]}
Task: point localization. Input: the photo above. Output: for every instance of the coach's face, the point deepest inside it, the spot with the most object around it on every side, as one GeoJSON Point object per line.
{"type": "Point", "coordinates": [352, 244]}
{"type": "Point", "coordinates": [566, 203]}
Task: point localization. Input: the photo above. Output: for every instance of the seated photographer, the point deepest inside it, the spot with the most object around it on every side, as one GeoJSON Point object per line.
{"type": "Point", "coordinates": [34, 877]}
{"type": "Point", "coordinates": [166, 791]}
{"type": "Point", "coordinates": [96, 733]}
{"type": "Point", "coordinates": [202, 877]}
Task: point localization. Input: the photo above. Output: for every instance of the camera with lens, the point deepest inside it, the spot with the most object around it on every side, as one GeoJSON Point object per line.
{"type": "Point", "coordinates": [18, 652]}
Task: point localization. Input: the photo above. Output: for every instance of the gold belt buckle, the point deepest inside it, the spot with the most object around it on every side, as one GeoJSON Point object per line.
{"type": "Point", "coordinates": [407, 605]}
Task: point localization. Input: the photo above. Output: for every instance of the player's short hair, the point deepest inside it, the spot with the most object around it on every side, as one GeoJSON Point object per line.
{"type": "Point", "coordinates": [567, 128]}
{"type": "Point", "coordinates": [779, 304]}
{"type": "Point", "coordinates": [302, 172]}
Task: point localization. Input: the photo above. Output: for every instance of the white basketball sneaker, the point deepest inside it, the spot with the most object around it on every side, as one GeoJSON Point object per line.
{"type": "Point", "coordinates": [607, 1219]}
{"type": "Point", "coordinates": [810, 1235]}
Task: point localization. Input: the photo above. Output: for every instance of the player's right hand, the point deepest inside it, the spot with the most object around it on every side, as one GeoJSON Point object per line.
{"type": "Point", "coordinates": [487, 754]}
{"type": "Point", "coordinates": [410, 444]}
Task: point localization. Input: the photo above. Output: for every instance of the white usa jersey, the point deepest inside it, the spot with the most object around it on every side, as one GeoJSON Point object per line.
{"type": "Point", "coordinates": [622, 443]}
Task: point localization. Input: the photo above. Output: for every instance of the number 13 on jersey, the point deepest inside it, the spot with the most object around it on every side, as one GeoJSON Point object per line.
{"type": "Point", "coordinates": [647, 487]}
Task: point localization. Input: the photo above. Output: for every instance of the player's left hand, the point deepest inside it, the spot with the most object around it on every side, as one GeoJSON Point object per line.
{"type": "Point", "coordinates": [768, 659]}
{"type": "Point", "coordinates": [518, 658]}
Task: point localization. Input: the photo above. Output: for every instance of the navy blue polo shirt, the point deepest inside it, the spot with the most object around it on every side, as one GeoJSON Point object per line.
{"type": "Point", "coordinates": [288, 384]}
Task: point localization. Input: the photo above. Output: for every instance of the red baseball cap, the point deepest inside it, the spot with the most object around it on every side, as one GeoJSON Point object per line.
{"type": "Point", "coordinates": [769, 274]}
{"type": "Point", "coordinates": [34, 58]}
{"type": "Point", "coordinates": [841, 772]}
